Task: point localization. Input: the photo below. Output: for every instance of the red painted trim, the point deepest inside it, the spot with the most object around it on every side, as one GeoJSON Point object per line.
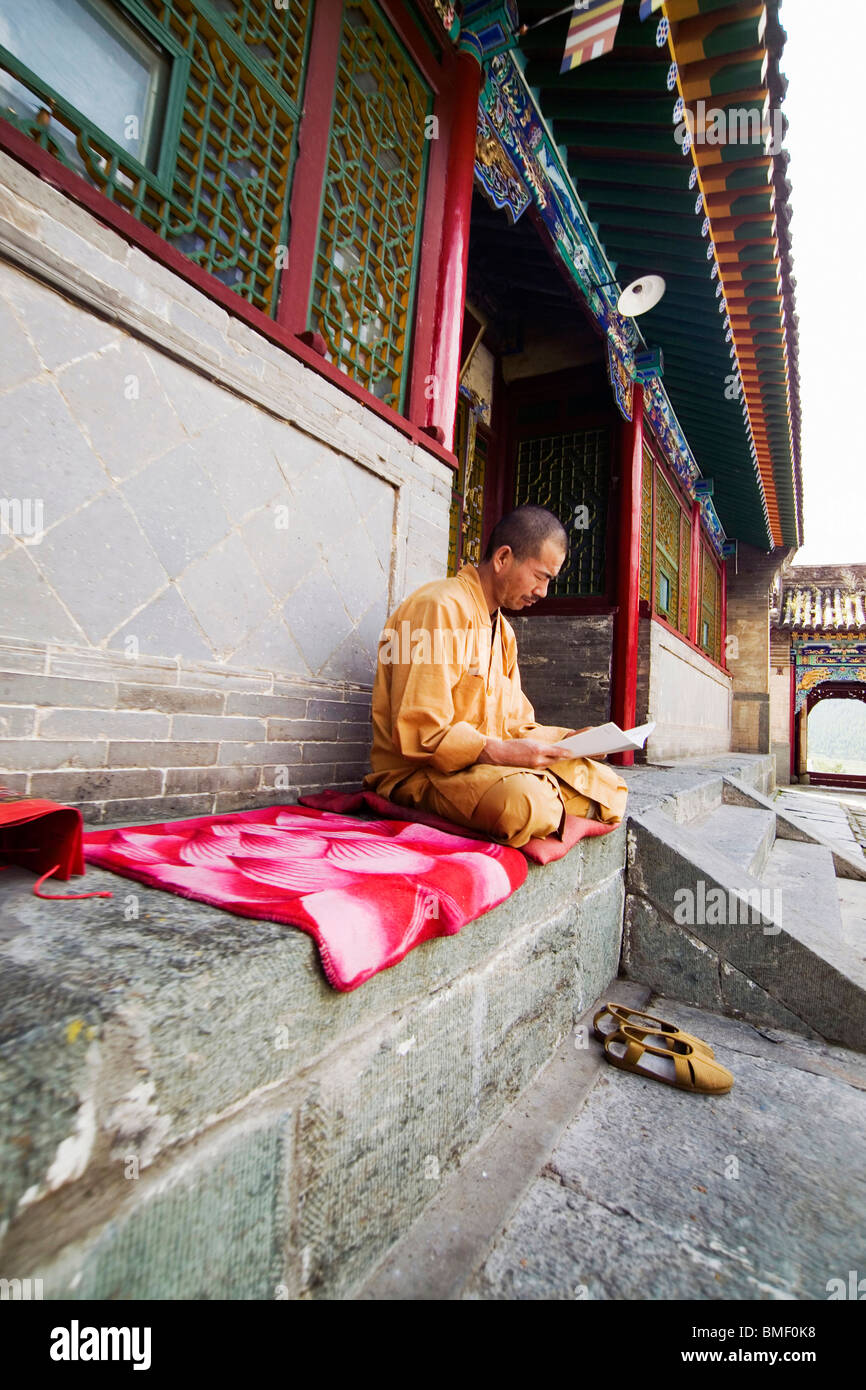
{"type": "Point", "coordinates": [693, 646]}
{"type": "Point", "coordinates": [456, 216]}
{"type": "Point", "coordinates": [625, 636]}
{"type": "Point", "coordinates": [653, 508]}
{"type": "Point", "coordinates": [308, 176]}
{"type": "Point", "coordinates": [75, 187]}
{"type": "Point", "coordinates": [723, 616]}
{"type": "Point", "coordinates": [694, 572]}
{"type": "Point", "coordinates": [793, 723]}
{"type": "Point", "coordinates": [430, 253]}
{"type": "Point", "coordinates": [837, 779]}
{"type": "Point", "coordinates": [412, 38]}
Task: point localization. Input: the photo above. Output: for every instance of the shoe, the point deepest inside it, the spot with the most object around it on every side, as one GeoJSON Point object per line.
{"type": "Point", "coordinates": [618, 1014]}
{"type": "Point", "coordinates": [675, 1062]}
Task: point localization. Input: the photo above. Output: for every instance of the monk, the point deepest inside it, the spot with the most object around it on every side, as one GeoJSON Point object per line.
{"type": "Point", "coordinates": [453, 733]}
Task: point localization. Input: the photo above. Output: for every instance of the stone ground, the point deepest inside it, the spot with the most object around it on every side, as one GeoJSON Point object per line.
{"type": "Point", "coordinates": [834, 814]}
{"type": "Point", "coordinates": [604, 1185]}
{"type": "Point", "coordinates": [838, 816]}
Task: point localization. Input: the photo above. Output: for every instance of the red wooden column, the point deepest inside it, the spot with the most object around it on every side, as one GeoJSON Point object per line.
{"type": "Point", "coordinates": [792, 721]}
{"type": "Point", "coordinates": [451, 286]}
{"type": "Point", "coordinates": [723, 616]}
{"type": "Point", "coordinates": [624, 684]}
{"type": "Point", "coordinates": [695, 573]}
{"type": "Point", "coordinates": [309, 175]}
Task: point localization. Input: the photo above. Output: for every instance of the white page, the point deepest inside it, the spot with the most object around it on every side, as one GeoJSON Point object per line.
{"type": "Point", "coordinates": [606, 738]}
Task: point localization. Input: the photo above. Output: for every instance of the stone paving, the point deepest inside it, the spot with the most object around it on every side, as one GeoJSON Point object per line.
{"type": "Point", "coordinates": [833, 814]}
{"type": "Point", "coordinates": [653, 1193]}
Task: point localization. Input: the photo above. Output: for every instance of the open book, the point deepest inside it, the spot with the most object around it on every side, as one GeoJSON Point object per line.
{"type": "Point", "coordinates": [606, 738]}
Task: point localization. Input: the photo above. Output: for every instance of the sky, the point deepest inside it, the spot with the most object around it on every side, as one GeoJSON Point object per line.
{"type": "Point", "coordinates": [824, 65]}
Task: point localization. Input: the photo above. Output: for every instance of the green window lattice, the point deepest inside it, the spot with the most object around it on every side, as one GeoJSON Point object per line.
{"type": "Point", "coordinates": [672, 556]}
{"type": "Point", "coordinates": [646, 527]}
{"type": "Point", "coordinates": [710, 627]}
{"type": "Point", "coordinates": [567, 473]}
{"type": "Point", "coordinates": [218, 190]}
{"type": "Point", "coordinates": [373, 197]}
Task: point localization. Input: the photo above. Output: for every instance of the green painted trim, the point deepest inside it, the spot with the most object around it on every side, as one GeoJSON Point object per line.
{"type": "Point", "coordinates": [736, 77]}
{"type": "Point", "coordinates": [736, 37]}
{"type": "Point", "coordinates": [752, 202]}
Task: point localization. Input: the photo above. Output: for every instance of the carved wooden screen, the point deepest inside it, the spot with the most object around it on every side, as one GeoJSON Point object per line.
{"type": "Point", "coordinates": [374, 195]}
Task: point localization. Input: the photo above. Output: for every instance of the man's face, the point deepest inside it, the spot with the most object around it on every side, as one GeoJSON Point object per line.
{"type": "Point", "coordinates": [521, 583]}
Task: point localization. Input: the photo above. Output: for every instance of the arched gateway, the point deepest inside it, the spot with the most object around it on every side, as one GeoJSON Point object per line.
{"type": "Point", "coordinates": [819, 634]}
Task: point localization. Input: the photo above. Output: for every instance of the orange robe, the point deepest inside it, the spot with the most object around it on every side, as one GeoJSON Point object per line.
{"type": "Point", "coordinates": [443, 683]}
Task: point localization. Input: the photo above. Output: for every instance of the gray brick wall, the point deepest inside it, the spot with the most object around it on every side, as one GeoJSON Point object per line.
{"type": "Point", "coordinates": [222, 533]}
{"type": "Point", "coordinates": [155, 740]}
{"type": "Point", "coordinates": [565, 665]}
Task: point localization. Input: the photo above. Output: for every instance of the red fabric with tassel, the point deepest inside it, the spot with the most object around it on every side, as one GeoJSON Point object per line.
{"type": "Point", "coordinates": [45, 837]}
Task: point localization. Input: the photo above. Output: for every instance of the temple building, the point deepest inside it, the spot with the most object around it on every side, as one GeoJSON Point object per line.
{"type": "Point", "coordinates": [818, 652]}
{"type": "Point", "coordinates": [308, 296]}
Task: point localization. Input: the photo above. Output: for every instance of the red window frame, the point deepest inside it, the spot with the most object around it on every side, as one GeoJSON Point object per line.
{"type": "Point", "coordinates": [288, 329]}
{"type": "Point", "coordinates": [647, 609]}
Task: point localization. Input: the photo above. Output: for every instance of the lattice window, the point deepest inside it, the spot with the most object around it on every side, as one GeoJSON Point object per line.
{"type": "Point", "coordinates": [274, 34]}
{"type": "Point", "coordinates": [710, 621]}
{"type": "Point", "coordinates": [467, 498]}
{"type": "Point", "coordinates": [646, 527]}
{"type": "Point", "coordinates": [685, 565]}
{"type": "Point", "coordinates": [667, 542]}
{"type": "Point", "coordinates": [373, 198]}
{"type": "Point", "coordinates": [570, 475]}
{"type": "Point", "coordinates": [217, 184]}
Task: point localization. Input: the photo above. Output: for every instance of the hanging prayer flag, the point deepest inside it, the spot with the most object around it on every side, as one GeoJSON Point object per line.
{"type": "Point", "coordinates": [591, 31]}
{"type": "Point", "coordinates": [647, 7]}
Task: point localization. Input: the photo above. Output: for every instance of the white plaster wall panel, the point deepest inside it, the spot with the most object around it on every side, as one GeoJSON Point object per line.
{"type": "Point", "coordinates": [689, 698]}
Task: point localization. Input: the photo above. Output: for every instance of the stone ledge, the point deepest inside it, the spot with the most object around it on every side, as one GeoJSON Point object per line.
{"type": "Point", "coordinates": [144, 1036]}
{"type": "Point", "coordinates": [209, 1048]}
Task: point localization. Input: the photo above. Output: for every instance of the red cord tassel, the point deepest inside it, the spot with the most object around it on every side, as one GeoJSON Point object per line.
{"type": "Point", "coordinates": [63, 897]}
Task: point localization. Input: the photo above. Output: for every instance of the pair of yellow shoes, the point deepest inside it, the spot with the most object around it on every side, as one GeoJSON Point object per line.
{"type": "Point", "coordinates": [651, 1047]}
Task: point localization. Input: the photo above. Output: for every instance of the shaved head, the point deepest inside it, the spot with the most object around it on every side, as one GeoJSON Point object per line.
{"type": "Point", "coordinates": [525, 531]}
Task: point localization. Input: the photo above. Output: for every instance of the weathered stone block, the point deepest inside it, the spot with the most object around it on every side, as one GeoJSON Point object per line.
{"type": "Point", "coordinates": [168, 754]}
{"type": "Point", "coordinates": [215, 1227]}
{"type": "Point", "coordinates": [171, 700]}
{"type": "Point", "coordinates": [231, 753]}
{"type": "Point", "coordinates": [191, 726]}
{"type": "Point", "coordinates": [210, 779]}
{"type": "Point", "coordinates": [668, 958]}
{"type": "Point", "coordinates": [16, 722]}
{"type": "Point", "coordinates": [25, 754]}
{"type": "Point", "coordinates": [102, 724]}
{"type": "Point", "coordinates": [267, 706]}
{"type": "Point", "coordinates": [95, 785]}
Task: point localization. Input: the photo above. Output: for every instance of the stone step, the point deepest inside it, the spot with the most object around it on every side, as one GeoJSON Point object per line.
{"type": "Point", "coordinates": [805, 878]}
{"type": "Point", "coordinates": [738, 793]}
{"type": "Point", "coordinates": [700, 928]}
{"type": "Point", "coordinates": [852, 902]}
{"type": "Point", "coordinates": [743, 834]}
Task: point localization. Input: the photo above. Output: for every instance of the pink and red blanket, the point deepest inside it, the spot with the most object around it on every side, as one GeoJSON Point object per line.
{"type": "Point", "coordinates": [367, 891]}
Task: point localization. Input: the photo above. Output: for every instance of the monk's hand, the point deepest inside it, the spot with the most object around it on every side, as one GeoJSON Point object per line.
{"type": "Point", "coordinates": [521, 752]}
{"type": "Point", "coordinates": [567, 753]}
